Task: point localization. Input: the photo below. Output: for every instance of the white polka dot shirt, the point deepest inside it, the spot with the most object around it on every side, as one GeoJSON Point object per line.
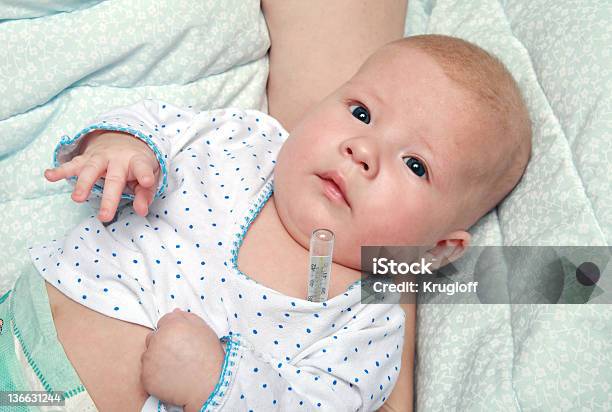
{"type": "Point", "coordinates": [282, 353]}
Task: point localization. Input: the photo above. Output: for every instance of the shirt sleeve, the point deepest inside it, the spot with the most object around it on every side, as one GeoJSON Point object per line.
{"type": "Point", "coordinates": [158, 124]}
{"type": "Point", "coordinates": [349, 371]}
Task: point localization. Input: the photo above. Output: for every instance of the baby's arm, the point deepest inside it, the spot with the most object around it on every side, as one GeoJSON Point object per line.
{"type": "Point", "coordinates": [126, 147]}
{"type": "Point", "coordinates": [354, 369]}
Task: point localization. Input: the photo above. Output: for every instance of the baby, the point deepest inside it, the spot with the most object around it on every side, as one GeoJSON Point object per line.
{"type": "Point", "coordinates": [428, 135]}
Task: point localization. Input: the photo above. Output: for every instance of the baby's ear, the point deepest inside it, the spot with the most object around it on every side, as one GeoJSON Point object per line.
{"type": "Point", "coordinates": [448, 249]}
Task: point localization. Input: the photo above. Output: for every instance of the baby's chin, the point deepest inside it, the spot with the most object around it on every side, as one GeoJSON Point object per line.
{"type": "Point", "coordinates": [351, 262]}
{"type": "Point", "coordinates": [349, 257]}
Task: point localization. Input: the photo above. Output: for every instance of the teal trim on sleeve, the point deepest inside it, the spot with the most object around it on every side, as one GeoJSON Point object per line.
{"type": "Point", "coordinates": [5, 296]}
{"type": "Point", "coordinates": [229, 368]}
{"type": "Point", "coordinates": [67, 141]}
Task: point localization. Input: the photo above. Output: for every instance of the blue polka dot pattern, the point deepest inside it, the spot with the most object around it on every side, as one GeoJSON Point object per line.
{"type": "Point", "coordinates": [217, 177]}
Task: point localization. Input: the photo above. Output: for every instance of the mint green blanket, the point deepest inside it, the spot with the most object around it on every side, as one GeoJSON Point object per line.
{"type": "Point", "coordinates": [63, 62]}
{"type": "Point", "coordinates": [533, 357]}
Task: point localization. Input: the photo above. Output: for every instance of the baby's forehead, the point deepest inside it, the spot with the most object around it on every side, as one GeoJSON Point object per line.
{"type": "Point", "coordinates": [390, 51]}
{"type": "Point", "coordinates": [393, 56]}
{"type": "Point", "coordinates": [397, 71]}
{"type": "Point", "coordinates": [431, 107]}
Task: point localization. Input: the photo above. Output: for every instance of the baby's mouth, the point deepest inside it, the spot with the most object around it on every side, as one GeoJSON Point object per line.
{"type": "Point", "coordinates": [334, 187]}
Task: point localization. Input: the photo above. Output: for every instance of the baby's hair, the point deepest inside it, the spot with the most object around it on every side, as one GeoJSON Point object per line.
{"type": "Point", "coordinates": [486, 78]}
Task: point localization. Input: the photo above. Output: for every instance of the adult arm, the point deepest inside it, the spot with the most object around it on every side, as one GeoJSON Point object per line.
{"type": "Point", "coordinates": [318, 45]}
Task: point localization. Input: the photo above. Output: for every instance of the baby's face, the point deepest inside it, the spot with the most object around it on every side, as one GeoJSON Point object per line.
{"type": "Point", "coordinates": [381, 160]}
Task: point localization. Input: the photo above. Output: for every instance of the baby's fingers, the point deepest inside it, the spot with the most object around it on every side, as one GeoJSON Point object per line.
{"type": "Point", "coordinates": [114, 183]}
{"type": "Point", "coordinates": [142, 170]}
{"type": "Point", "coordinates": [64, 171]}
{"type": "Point", "coordinates": [91, 171]}
{"type": "Point", "coordinates": [143, 196]}
{"type": "Point", "coordinates": [148, 338]}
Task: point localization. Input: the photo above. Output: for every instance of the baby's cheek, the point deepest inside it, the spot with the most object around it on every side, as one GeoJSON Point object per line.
{"type": "Point", "coordinates": [402, 227]}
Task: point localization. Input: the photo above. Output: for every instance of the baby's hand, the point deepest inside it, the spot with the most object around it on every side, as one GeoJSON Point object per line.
{"type": "Point", "coordinates": [121, 159]}
{"type": "Point", "coordinates": [182, 361]}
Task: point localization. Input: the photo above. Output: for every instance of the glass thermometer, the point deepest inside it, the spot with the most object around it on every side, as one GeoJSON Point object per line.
{"type": "Point", "coordinates": [321, 250]}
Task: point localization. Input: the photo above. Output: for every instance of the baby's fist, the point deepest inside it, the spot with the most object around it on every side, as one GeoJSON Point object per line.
{"type": "Point", "coordinates": [182, 361]}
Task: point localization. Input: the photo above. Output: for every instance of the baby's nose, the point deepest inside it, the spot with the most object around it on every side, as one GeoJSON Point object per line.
{"type": "Point", "coordinates": [363, 153]}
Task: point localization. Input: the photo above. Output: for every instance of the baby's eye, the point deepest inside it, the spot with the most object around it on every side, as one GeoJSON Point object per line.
{"type": "Point", "coordinates": [360, 113]}
{"type": "Point", "coordinates": [415, 165]}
